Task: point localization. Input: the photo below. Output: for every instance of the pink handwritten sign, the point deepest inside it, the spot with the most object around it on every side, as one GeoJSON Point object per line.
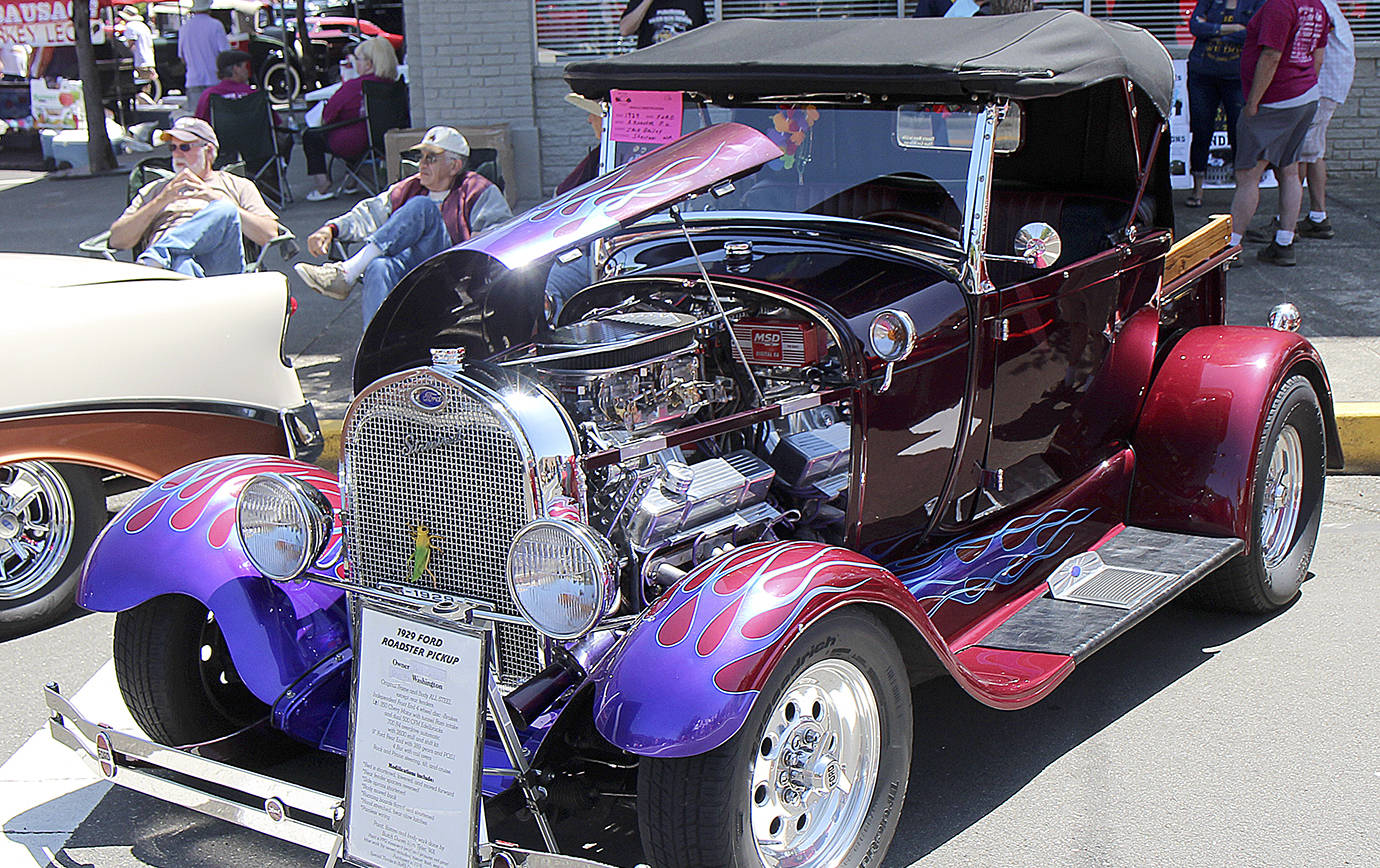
{"type": "Point", "coordinates": [644, 116]}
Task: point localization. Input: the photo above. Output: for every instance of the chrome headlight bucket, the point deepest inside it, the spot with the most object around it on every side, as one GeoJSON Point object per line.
{"type": "Point", "coordinates": [563, 576]}
{"type": "Point", "coordinates": [283, 524]}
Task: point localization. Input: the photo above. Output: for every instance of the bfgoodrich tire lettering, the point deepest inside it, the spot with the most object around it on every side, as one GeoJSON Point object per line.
{"type": "Point", "coordinates": [1286, 508]}
{"type": "Point", "coordinates": [719, 808]}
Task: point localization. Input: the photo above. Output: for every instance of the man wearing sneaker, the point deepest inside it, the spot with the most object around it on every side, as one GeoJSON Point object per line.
{"type": "Point", "coordinates": [1334, 83]}
{"type": "Point", "coordinates": [1284, 49]}
{"type": "Point", "coordinates": [406, 224]}
{"type": "Point", "coordinates": [192, 223]}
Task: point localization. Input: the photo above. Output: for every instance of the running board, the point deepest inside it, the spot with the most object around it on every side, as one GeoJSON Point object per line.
{"type": "Point", "coordinates": [1097, 595]}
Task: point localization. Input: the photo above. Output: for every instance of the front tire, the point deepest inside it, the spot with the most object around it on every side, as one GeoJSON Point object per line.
{"type": "Point", "coordinates": [1286, 509]}
{"type": "Point", "coordinates": [49, 515]}
{"type": "Point", "coordinates": [820, 765]}
{"type": "Point", "coordinates": [176, 675]}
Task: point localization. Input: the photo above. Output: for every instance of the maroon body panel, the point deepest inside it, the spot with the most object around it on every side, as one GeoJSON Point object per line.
{"type": "Point", "coordinates": [1199, 433]}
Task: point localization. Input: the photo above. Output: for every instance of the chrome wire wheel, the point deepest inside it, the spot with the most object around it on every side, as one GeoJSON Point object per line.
{"type": "Point", "coordinates": [815, 767]}
{"type": "Point", "coordinates": [1283, 497]}
{"type": "Point", "coordinates": [36, 527]}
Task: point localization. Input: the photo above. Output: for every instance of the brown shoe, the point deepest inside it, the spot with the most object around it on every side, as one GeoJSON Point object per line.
{"type": "Point", "coordinates": [327, 279]}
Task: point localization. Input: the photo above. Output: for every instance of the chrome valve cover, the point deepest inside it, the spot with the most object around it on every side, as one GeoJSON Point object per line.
{"type": "Point", "coordinates": [439, 472]}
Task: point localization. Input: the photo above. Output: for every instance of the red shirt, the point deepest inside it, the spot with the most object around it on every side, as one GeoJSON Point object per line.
{"type": "Point", "coordinates": [1295, 28]}
{"type": "Point", "coordinates": [224, 87]}
{"type": "Point", "coordinates": [346, 104]}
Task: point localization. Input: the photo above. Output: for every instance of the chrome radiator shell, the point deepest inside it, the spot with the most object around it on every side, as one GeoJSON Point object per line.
{"type": "Point", "coordinates": [439, 471]}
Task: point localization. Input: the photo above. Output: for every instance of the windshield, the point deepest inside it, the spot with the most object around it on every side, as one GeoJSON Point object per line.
{"type": "Point", "coordinates": [903, 165]}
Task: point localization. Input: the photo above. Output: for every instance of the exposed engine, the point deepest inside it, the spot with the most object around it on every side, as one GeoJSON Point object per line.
{"type": "Point", "coordinates": [652, 360]}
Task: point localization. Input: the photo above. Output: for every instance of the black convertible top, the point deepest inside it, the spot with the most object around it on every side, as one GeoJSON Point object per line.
{"type": "Point", "coordinates": [1034, 54]}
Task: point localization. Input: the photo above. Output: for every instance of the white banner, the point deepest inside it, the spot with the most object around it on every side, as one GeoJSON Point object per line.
{"type": "Point", "coordinates": [40, 22]}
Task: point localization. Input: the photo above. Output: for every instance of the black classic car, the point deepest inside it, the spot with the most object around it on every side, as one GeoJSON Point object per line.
{"type": "Point", "coordinates": [665, 492]}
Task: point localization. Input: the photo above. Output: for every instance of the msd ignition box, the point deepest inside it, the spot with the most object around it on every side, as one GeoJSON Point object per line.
{"type": "Point", "coordinates": [780, 342]}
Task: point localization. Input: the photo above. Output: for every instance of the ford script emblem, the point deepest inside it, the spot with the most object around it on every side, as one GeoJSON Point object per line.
{"type": "Point", "coordinates": [104, 755]}
{"type": "Point", "coordinates": [428, 398]}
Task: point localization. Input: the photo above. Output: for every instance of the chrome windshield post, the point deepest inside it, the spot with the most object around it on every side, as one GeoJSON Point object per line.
{"type": "Point", "coordinates": [978, 196]}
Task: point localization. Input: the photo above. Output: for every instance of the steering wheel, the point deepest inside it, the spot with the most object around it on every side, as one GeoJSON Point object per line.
{"type": "Point", "coordinates": [933, 225]}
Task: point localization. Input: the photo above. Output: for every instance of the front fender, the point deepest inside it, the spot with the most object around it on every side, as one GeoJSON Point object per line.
{"type": "Point", "coordinates": [179, 537]}
{"type": "Point", "coordinates": [1197, 438]}
{"type": "Point", "coordinates": [683, 679]}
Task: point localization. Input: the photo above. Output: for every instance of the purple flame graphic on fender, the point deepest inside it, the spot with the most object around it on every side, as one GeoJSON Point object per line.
{"type": "Point", "coordinates": [188, 519]}
{"type": "Point", "coordinates": [696, 659]}
{"type": "Point", "coordinates": [662, 177]}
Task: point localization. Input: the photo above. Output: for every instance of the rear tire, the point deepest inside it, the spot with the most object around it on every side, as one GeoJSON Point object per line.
{"type": "Point", "coordinates": [49, 515]}
{"type": "Point", "coordinates": [175, 673]}
{"type": "Point", "coordinates": [1286, 509]}
{"type": "Point", "coordinates": [838, 704]}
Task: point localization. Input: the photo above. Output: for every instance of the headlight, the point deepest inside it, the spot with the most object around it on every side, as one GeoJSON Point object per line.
{"type": "Point", "coordinates": [563, 576]}
{"type": "Point", "coordinates": [283, 524]}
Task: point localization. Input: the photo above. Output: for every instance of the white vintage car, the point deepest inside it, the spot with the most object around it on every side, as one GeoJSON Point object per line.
{"type": "Point", "coordinates": [120, 374]}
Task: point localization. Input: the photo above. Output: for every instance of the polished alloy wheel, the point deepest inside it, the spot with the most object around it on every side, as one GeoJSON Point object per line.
{"type": "Point", "coordinates": [1283, 497]}
{"type": "Point", "coordinates": [814, 769]}
{"type": "Point", "coordinates": [36, 527]}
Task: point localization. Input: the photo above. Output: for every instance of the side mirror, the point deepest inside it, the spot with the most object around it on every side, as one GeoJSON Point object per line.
{"type": "Point", "coordinates": [1039, 244]}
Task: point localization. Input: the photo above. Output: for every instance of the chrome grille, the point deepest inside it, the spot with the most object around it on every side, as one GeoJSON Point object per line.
{"type": "Point", "coordinates": [457, 471]}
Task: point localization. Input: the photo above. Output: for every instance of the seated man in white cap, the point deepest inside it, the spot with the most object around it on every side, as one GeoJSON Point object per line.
{"type": "Point", "coordinates": [192, 222]}
{"type": "Point", "coordinates": [411, 221]}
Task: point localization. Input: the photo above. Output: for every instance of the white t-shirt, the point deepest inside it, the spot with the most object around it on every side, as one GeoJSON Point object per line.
{"type": "Point", "coordinates": [140, 40]}
{"type": "Point", "coordinates": [14, 59]}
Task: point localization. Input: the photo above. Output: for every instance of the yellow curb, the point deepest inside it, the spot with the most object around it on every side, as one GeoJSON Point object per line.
{"type": "Point", "coordinates": [330, 453]}
{"type": "Point", "coordinates": [1358, 424]}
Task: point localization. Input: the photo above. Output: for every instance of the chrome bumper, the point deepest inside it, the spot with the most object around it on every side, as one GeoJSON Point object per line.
{"type": "Point", "coordinates": [293, 813]}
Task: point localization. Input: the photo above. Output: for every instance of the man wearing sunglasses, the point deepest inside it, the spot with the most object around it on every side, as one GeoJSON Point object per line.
{"type": "Point", "coordinates": [192, 222]}
{"type": "Point", "coordinates": [416, 218]}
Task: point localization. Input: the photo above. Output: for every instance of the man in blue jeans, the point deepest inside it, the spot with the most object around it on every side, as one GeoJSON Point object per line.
{"type": "Point", "coordinates": [411, 221]}
{"type": "Point", "coordinates": [192, 222]}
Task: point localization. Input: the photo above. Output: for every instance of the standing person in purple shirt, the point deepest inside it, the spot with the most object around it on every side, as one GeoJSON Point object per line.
{"type": "Point", "coordinates": [1285, 41]}
{"type": "Point", "coordinates": [199, 40]}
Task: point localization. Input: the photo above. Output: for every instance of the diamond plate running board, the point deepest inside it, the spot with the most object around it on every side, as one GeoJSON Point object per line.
{"type": "Point", "coordinates": [1086, 578]}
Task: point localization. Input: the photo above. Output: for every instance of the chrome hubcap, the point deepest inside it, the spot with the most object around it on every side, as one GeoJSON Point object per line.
{"type": "Point", "coordinates": [815, 767]}
{"type": "Point", "coordinates": [35, 527]}
{"type": "Point", "coordinates": [1283, 497]}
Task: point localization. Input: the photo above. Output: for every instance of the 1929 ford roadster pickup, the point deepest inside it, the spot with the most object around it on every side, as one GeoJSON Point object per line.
{"type": "Point", "coordinates": [668, 490]}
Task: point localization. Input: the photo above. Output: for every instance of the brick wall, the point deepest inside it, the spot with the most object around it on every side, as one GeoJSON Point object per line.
{"type": "Point", "coordinates": [1353, 137]}
{"type": "Point", "coordinates": [471, 63]}
{"type": "Point", "coordinates": [565, 134]}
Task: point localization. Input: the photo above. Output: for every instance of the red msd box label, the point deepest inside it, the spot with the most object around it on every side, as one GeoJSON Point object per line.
{"type": "Point", "coordinates": [778, 342]}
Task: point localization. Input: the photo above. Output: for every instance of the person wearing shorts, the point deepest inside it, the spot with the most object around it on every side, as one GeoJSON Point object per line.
{"type": "Point", "coordinates": [1334, 83]}
{"type": "Point", "coordinates": [1284, 50]}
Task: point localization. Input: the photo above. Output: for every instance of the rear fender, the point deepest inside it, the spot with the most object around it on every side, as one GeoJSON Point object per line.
{"type": "Point", "coordinates": [179, 537]}
{"type": "Point", "coordinates": [683, 679]}
{"type": "Point", "coordinates": [1197, 437]}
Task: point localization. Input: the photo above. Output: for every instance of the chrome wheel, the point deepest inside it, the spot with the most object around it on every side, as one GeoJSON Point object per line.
{"type": "Point", "coordinates": [36, 527]}
{"type": "Point", "coordinates": [1283, 496]}
{"type": "Point", "coordinates": [815, 767]}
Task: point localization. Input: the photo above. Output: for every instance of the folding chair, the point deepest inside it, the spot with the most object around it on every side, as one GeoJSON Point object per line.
{"type": "Point", "coordinates": [246, 131]}
{"type": "Point", "coordinates": [385, 108]}
{"type": "Point", "coordinates": [153, 168]}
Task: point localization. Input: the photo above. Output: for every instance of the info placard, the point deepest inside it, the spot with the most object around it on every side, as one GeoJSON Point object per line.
{"type": "Point", "coordinates": [645, 116]}
{"type": "Point", "coordinates": [414, 743]}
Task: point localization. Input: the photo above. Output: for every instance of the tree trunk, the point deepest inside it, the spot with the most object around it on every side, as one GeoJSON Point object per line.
{"type": "Point", "coordinates": [97, 142]}
{"type": "Point", "coordinates": [305, 50]}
